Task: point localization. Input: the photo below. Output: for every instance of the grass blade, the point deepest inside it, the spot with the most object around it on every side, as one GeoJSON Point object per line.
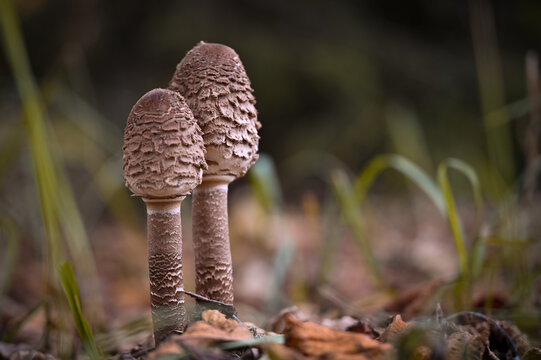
{"type": "Point", "coordinates": [69, 284]}
{"type": "Point", "coordinates": [13, 330]}
{"type": "Point", "coordinates": [35, 127]}
{"type": "Point", "coordinates": [10, 146]}
{"type": "Point", "coordinates": [265, 184]}
{"type": "Point", "coordinates": [230, 345]}
{"type": "Point", "coordinates": [453, 218]}
{"type": "Point", "coordinates": [413, 172]}
{"type": "Point", "coordinates": [58, 208]}
{"type": "Point", "coordinates": [472, 268]}
{"type": "Point", "coordinates": [477, 247]}
{"type": "Point", "coordinates": [350, 211]}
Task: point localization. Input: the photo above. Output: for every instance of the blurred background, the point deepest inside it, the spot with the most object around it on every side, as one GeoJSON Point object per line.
{"type": "Point", "coordinates": [450, 89]}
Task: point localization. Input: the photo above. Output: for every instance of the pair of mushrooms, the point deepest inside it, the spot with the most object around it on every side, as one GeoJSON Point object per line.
{"type": "Point", "coordinates": [195, 137]}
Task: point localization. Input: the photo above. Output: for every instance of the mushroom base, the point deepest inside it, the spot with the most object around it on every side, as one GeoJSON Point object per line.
{"type": "Point", "coordinates": [164, 232]}
{"type": "Point", "coordinates": [213, 266]}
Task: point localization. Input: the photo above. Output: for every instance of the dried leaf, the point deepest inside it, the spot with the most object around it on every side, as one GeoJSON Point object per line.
{"type": "Point", "coordinates": [395, 328]}
{"type": "Point", "coordinates": [316, 340]}
{"type": "Point", "coordinates": [215, 328]}
{"type": "Point", "coordinates": [166, 347]}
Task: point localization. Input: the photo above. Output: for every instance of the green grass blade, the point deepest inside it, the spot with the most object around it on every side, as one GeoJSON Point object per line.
{"type": "Point", "coordinates": [69, 284]}
{"type": "Point", "coordinates": [10, 146]}
{"type": "Point", "coordinates": [283, 259]}
{"type": "Point", "coordinates": [511, 111]}
{"type": "Point", "coordinates": [230, 345]}
{"type": "Point", "coordinates": [58, 208]}
{"type": "Point", "coordinates": [453, 218]}
{"type": "Point", "coordinates": [265, 184]}
{"type": "Point", "coordinates": [472, 177]}
{"type": "Point", "coordinates": [407, 135]}
{"type": "Point", "coordinates": [78, 244]}
{"type": "Point", "coordinates": [478, 247]}
{"type": "Point", "coordinates": [35, 128]}
{"type": "Point", "coordinates": [351, 213]}
{"type": "Point", "coordinates": [413, 172]}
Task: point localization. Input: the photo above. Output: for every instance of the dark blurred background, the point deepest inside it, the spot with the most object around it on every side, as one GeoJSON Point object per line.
{"type": "Point", "coordinates": [324, 72]}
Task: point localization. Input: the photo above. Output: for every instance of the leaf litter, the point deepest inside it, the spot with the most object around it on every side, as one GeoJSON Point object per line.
{"type": "Point", "coordinates": [464, 335]}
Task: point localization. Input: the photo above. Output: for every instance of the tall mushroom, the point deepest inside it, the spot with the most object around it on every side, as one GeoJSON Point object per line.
{"type": "Point", "coordinates": [212, 79]}
{"type": "Point", "coordinates": [164, 159]}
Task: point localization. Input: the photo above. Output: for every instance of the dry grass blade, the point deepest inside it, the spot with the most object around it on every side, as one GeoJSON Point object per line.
{"type": "Point", "coordinates": [58, 207]}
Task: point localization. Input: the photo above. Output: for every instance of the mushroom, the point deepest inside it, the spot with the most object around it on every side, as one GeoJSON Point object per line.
{"type": "Point", "coordinates": [212, 79]}
{"type": "Point", "coordinates": [164, 159]}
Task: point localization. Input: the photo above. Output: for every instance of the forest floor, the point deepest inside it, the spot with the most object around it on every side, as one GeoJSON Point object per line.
{"type": "Point", "coordinates": [294, 302]}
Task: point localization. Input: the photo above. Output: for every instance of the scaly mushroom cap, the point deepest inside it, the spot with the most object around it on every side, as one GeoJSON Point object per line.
{"type": "Point", "coordinates": [212, 79]}
{"type": "Point", "coordinates": [164, 154]}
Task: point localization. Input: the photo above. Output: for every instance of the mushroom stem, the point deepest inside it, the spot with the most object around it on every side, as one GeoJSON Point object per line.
{"type": "Point", "coordinates": [164, 231]}
{"type": "Point", "coordinates": [213, 267]}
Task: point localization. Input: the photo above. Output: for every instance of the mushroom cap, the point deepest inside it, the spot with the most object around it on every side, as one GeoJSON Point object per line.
{"type": "Point", "coordinates": [212, 79]}
{"type": "Point", "coordinates": [164, 154]}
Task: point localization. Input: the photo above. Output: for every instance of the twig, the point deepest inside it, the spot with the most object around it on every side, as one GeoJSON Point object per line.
{"type": "Point", "coordinates": [208, 304]}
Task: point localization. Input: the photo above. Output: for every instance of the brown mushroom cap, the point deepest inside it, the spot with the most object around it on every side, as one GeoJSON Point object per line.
{"type": "Point", "coordinates": [164, 154]}
{"type": "Point", "coordinates": [212, 79]}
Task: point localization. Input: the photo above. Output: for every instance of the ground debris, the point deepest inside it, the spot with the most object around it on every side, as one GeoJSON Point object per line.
{"type": "Point", "coordinates": [395, 328]}
{"type": "Point", "coordinates": [214, 328]}
{"type": "Point", "coordinates": [21, 351]}
{"type": "Point", "coordinates": [465, 335]}
{"type": "Point", "coordinates": [316, 340]}
{"type": "Point", "coordinates": [414, 300]}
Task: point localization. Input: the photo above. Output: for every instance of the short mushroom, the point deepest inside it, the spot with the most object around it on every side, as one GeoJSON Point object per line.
{"type": "Point", "coordinates": [212, 79]}
{"type": "Point", "coordinates": [164, 159]}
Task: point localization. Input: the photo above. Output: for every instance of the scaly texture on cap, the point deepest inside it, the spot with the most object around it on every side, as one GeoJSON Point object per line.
{"type": "Point", "coordinates": [164, 154]}
{"type": "Point", "coordinates": [212, 79]}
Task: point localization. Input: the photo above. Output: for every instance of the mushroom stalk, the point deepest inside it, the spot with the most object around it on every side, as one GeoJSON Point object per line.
{"type": "Point", "coordinates": [164, 232]}
{"type": "Point", "coordinates": [217, 90]}
{"type": "Point", "coordinates": [214, 270]}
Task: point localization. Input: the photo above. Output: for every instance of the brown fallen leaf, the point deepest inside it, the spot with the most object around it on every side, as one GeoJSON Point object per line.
{"type": "Point", "coordinates": [214, 328]}
{"type": "Point", "coordinates": [316, 340]}
{"type": "Point", "coordinates": [167, 347]}
{"type": "Point", "coordinates": [395, 328]}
